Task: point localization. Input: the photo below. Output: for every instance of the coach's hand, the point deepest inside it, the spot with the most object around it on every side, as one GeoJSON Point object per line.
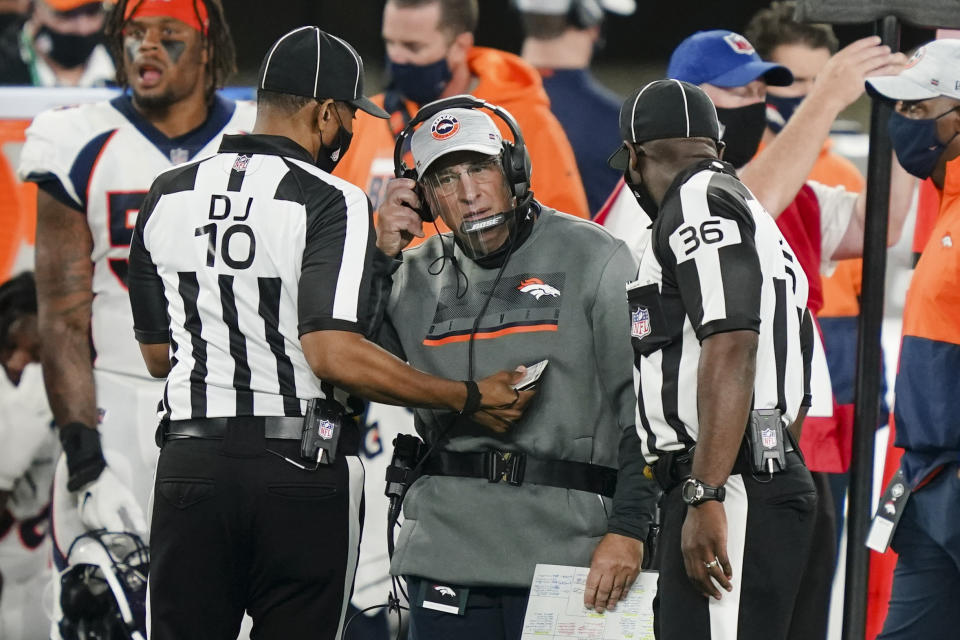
{"type": "Point", "coordinates": [107, 504]}
{"type": "Point", "coordinates": [500, 404]}
{"type": "Point", "coordinates": [613, 569]}
{"type": "Point", "coordinates": [397, 219]}
{"type": "Point", "coordinates": [703, 541]}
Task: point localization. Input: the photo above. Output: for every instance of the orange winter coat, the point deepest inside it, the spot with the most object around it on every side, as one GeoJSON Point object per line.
{"type": "Point", "coordinates": [502, 79]}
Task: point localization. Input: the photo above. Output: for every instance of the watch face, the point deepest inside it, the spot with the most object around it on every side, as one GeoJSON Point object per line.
{"type": "Point", "coordinates": [692, 491]}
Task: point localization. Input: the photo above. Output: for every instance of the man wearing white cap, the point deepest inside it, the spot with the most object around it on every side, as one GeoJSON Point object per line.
{"type": "Point", "coordinates": [925, 130]}
{"type": "Point", "coordinates": [561, 39]}
{"type": "Point", "coordinates": [514, 281]}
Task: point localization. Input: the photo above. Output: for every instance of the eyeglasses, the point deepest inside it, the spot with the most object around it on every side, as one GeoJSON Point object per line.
{"type": "Point", "coordinates": [447, 181]}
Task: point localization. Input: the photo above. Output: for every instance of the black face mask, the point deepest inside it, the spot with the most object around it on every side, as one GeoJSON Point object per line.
{"type": "Point", "coordinates": [331, 154]}
{"type": "Point", "coordinates": [742, 129]}
{"type": "Point", "coordinates": [66, 49]}
{"type": "Point", "coordinates": [6, 19]}
{"type": "Point", "coordinates": [421, 83]}
{"type": "Point", "coordinates": [642, 195]}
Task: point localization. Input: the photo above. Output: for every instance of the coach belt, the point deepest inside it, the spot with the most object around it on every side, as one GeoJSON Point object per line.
{"type": "Point", "coordinates": [517, 468]}
{"type": "Point", "coordinates": [277, 427]}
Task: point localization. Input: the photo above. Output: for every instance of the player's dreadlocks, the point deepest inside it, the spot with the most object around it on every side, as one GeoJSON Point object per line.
{"type": "Point", "coordinates": [218, 42]}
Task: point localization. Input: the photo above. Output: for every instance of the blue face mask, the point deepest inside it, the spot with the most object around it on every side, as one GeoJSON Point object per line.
{"type": "Point", "coordinates": [916, 144]}
{"type": "Point", "coordinates": [779, 110]}
{"type": "Point", "coordinates": [421, 83]}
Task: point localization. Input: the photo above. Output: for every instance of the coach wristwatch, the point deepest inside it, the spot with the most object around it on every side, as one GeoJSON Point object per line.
{"type": "Point", "coordinates": [695, 493]}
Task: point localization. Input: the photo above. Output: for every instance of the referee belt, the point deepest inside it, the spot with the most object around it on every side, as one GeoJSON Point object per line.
{"type": "Point", "coordinates": [673, 467]}
{"type": "Point", "coordinates": [517, 468]}
{"type": "Point", "coordinates": [274, 427]}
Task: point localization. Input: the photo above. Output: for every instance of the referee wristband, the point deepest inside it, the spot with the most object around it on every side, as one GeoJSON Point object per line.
{"type": "Point", "coordinates": [472, 403]}
{"type": "Point", "coordinates": [81, 446]}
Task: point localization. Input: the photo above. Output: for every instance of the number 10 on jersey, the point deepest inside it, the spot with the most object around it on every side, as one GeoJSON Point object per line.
{"type": "Point", "coordinates": [237, 253]}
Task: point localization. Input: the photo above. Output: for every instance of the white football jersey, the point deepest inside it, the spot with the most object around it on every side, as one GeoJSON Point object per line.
{"type": "Point", "coordinates": [101, 159]}
{"type": "Point", "coordinates": [28, 456]}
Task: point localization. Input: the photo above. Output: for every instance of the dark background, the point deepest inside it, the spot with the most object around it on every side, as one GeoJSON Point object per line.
{"type": "Point", "coordinates": [643, 40]}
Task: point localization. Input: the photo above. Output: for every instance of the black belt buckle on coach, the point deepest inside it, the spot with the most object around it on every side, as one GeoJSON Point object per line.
{"type": "Point", "coordinates": [505, 466]}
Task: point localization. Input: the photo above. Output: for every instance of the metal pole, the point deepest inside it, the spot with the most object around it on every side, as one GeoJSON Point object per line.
{"type": "Point", "coordinates": [868, 372]}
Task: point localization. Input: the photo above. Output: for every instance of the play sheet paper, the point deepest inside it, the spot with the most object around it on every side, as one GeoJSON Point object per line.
{"type": "Point", "coordinates": [556, 611]}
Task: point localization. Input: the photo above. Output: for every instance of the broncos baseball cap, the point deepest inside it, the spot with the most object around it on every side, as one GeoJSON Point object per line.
{"type": "Point", "coordinates": [454, 130]}
{"type": "Point", "coordinates": [312, 63]}
{"type": "Point", "coordinates": [932, 71]}
{"type": "Point", "coordinates": [665, 109]}
{"type": "Point", "coordinates": [725, 59]}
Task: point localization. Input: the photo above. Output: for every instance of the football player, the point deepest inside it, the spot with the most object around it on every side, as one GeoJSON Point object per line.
{"type": "Point", "coordinates": [27, 460]}
{"type": "Point", "coordinates": [93, 165]}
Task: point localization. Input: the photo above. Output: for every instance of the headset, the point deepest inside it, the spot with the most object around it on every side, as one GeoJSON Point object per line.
{"type": "Point", "coordinates": [515, 159]}
{"type": "Point", "coordinates": [585, 13]}
{"type": "Point", "coordinates": [582, 14]}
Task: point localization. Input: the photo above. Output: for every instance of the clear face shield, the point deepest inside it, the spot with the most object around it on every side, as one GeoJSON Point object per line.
{"type": "Point", "coordinates": [470, 193]}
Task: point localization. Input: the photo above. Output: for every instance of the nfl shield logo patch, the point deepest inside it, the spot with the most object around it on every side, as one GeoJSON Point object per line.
{"type": "Point", "coordinates": [768, 438]}
{"type": "Point", "coordinates": [325, 429]}
{"type": "Point", "coordinates": [639, 322]}
{"type": "Point", "coordinates": [179, 156]}
{"type": "Point", "coordinates": [241, 163]}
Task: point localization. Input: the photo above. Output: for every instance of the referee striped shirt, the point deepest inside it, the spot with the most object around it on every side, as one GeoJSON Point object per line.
{"type": "Point", "coordinates": [716, 262]}
{"type": "Point", "coordinates": [233, 258]}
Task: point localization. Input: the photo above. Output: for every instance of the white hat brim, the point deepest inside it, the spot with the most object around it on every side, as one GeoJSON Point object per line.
{"type": "Point", "coordinates": [486, 149]}
{"type": "Point", "coordinates": [900, 88]}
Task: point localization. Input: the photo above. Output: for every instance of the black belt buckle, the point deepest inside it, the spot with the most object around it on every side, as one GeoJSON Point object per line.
{"type": "Point", "coordinates": [506, 466]}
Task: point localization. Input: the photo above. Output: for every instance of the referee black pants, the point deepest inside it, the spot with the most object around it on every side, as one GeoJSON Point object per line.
{"type": "Point", "coordinates": [236, 528]}
{"type": "Point", "coordinates": [769, 531]}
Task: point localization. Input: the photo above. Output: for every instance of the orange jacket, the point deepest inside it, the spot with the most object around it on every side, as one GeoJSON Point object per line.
{"type": "Point", "coordinates": [504, 80]}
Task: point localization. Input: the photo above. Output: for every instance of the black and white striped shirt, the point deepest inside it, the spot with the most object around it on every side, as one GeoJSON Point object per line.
{"type": "Point", "coordinates": [716, 262]}
{"type": "Point", "coordinates": [234, 257]}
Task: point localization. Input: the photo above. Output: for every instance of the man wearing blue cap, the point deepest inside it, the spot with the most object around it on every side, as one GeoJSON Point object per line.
{"type": "Point", "coordinates": [726, 66]}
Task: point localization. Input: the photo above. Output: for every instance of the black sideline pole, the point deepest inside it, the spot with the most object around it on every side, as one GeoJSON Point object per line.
{"type": "Point", "coordinates": [867, 382]}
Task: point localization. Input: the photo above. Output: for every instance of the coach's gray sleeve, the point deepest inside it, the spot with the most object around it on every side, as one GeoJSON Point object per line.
{"type": "Point", "coordinates": [634, 503]}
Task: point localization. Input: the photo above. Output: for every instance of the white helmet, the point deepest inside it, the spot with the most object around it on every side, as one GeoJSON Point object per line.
{"type": "Point", "coordinates": [103, 589]}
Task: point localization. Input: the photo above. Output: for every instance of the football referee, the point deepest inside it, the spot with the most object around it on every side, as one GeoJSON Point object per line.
{"type": "Point", "coordinates": [250, 283]}
{"type": "Point", "coordinates": [716, 316]}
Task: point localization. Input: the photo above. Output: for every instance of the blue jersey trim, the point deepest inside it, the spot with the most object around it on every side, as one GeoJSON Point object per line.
{"type": "Point", "coordinates": [82, 167]}
{"type": "Point", "coordinates": [221, 110]}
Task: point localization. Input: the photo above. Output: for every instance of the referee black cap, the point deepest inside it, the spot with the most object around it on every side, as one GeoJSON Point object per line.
{"type": "Point", "coordinates": [664, 109]}
{"type": "Point", "coordinates": [311, 63]}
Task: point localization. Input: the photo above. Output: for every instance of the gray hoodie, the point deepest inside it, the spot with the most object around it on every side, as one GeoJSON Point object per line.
{"type": "Point", "coordinates": [561, 297]}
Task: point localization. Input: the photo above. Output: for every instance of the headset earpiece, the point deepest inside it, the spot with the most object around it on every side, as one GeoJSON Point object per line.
{"type": "Point", "coordinates": [585, 14]}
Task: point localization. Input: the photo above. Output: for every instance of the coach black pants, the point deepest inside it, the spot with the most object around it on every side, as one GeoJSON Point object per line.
{"type": "Point", "coordinates": [236, 528]}
{"type": "Point", "coordinates": [769, 530]}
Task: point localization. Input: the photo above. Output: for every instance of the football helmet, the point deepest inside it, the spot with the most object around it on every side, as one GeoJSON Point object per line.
{"type": "Point", "coordinates": [103, 589]}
